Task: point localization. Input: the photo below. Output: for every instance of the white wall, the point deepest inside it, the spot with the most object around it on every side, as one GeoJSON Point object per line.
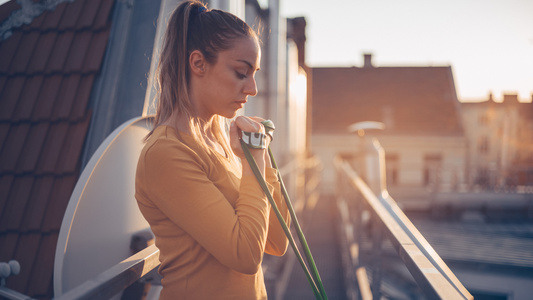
{"type": "Point", "coordinates": [410, 151]}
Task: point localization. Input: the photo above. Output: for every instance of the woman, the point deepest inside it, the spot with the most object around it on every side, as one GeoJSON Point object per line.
{"type": "Point", "coordinates": [211, 219]}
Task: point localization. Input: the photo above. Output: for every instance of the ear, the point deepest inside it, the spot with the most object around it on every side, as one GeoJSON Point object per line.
{"type": "Point", "coordinates": [197, 63]}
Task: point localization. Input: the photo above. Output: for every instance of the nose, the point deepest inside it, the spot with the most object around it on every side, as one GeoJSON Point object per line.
{"type": "Point", "coordinates": [250, 88]}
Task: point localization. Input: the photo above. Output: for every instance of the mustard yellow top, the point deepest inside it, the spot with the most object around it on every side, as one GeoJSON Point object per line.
{"type": "Point", "coordinates": [211, 226]}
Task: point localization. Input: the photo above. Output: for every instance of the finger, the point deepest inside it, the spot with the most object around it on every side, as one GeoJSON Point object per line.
{"type": "Point", "coordinates": [233, 135]}
{"type": "Point", "coordinates": [248, 124]}
{"type": "Point", "coordinates": [257, 119]}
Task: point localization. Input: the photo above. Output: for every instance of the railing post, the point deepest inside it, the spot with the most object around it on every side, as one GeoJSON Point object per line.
{"type": "Point", "coordinates": [375, 170]}
{"type": "Point", "coordinates": [377, 181]}
{"type": "Point", "coordinates": [377, 239]}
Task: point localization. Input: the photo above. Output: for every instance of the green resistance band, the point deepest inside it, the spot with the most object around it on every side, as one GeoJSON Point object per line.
{"type": "Point", "coordinates": [314, 277]}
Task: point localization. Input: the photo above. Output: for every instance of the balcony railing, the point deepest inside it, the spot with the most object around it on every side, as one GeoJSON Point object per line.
{"type": "Point", "coordinates": [354, 197]}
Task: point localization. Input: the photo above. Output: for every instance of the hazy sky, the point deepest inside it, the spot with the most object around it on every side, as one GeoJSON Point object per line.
{"type": "Point", "coordinates": [488, 43]}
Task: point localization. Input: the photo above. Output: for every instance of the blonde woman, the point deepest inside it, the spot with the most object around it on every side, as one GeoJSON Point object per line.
{"type": "Point", "coordinates": [211, 219]}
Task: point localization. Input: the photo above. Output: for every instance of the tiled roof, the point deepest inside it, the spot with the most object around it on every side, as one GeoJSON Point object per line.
{"type": "Point", "coordinates": [47, 69]}
{"type": "Point", "coordinates": [409, 100]}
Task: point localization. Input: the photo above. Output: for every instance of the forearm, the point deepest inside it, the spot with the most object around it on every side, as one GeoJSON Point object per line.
{"type": "Point", "coordinates": [259, 160]}
{"type": "Point", "coordinates": [277, 241]}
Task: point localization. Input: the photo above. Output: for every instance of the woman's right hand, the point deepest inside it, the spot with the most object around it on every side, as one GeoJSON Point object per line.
{"type": "Point", "coordinates": [243, 123]}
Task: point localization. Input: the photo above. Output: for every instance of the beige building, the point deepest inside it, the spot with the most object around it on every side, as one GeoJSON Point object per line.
{"type": "Point", "coordinates": [424, 140]}
{"type": "Point", "coordinates": [500, 150]}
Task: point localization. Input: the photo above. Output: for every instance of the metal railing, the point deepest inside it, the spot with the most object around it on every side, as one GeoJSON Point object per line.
{"type": "Point", "coordinates": [117, 278]}
{"type": "Point", "coordinates": [429, 271]}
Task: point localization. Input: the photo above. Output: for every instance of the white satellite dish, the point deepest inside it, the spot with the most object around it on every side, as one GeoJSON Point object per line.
{"type": "Point", "coordinates": [102, 213]}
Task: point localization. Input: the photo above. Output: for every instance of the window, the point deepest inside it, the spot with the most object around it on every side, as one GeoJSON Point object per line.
{"type": "Point", "coordinates": [432, 165]}
{"type": "Point", "coordinates": [483, 119]}
{"type": "Point", "coordinates": [483, 145]}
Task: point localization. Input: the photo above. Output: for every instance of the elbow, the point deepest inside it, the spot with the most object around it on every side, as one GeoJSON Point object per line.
{"type": "Point", "coordinates": [247, 261]}
{"type": "Point", "coordinates": [277, 250]}
{"type": "Point", "coordinates": [251, 270]}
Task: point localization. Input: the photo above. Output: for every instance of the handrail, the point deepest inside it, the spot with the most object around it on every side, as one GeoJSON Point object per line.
{"type": "Point", "coordinates": [432, 275]}
{"type": "Point", "coordinates": [115, 279]}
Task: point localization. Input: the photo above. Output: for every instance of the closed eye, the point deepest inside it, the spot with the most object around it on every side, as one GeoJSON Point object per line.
{"type": "Point", "coordinates": [241, 76]}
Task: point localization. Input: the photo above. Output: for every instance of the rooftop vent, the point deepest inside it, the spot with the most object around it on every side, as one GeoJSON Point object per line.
{"type": "Point", "coordinates": [368, 61]}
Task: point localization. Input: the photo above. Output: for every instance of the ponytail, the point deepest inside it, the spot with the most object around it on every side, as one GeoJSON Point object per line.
{"type": "Point", "coordinates": [192, 26]}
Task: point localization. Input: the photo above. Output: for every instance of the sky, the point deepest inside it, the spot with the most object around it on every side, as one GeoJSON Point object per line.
{"type": "Point", "coordinates": [488, 43]}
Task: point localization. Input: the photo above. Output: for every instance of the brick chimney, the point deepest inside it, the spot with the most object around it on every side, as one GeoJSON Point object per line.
{"type": "Point", "coordinates": [368, 60]}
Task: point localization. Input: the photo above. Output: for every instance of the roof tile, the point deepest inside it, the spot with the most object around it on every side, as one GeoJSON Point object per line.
{"type": "Point", "coordinates": [53, 18]}
{"type": "Point", "coordinates": [39, 199]}
{"type": "Point", "coordinates": [95, 54]}
{"type": "Point", "coordinates": [89, 14]}
{"type": "Point", "coordinates": [9, 242]}
{"type": "Point", "coordinates": [27, 100]}
{"type": "Point", "coordinates": [52, 148]}
{"type": "Point", "coordinates": [73, 146]}
{"type": "Point", "coordinates": [36, 23]}
{"type": "Point", "coordinates": [47, 98]}
{"type": "Point", "coordinates": [13, 147]}
{"type": "Point", "coordinates": [25, 254]}
{"type": "Point", "coordinates": [44, 49]}
{"type": "Point", "coordinates": [60, 52]}
{"type": "Point", "coordinates": [10, 96]}
{"type": "Point", "coordinates": [18, 198]}
{"type": "Point", "coordinates": [47, 71]}
{"type": "Point", "coordinates": [31, 152]}
{"type": "Point", "coordinates": [4, 130]}
{"type": "Point", "coordinates": [3, 80]}
{"type": "Point", "coordinates": [78, 51]}
{"type": "Point", "coordinates": [67, 93]}
{"type": "Point", "coordinates": [6, 183]}
{"type": "Point", "coordinates": [8, 48]}
{"type": "Point", "coordinates": [82, 98]}
{"type": "Point", "coordinates": [63, 188]}
{"type": "Point", "coordinates": [71, 15]}
{"type": "Point", "coordinates": [24, 52]}
{"type": "Point", "coordinates": [7, 8]}
{"type": "Point", "coordinates": [103, 14]}
{"type": "Point", "coordinates": [42, 271]}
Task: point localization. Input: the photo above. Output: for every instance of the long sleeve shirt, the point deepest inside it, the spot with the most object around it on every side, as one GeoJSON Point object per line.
{"type": "Point", "coordinates": [211, 224]}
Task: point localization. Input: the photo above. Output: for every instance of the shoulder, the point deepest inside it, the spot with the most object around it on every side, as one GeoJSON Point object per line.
{"type": "Point", "coordinates": [164, 146]}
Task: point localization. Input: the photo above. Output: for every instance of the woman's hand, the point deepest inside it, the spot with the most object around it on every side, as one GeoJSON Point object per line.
{"type": "Point", "coordinates": [248, 124]}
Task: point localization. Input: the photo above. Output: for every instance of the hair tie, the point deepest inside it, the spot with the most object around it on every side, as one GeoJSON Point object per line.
{"type": "Point", "coordinates": [201, 9]}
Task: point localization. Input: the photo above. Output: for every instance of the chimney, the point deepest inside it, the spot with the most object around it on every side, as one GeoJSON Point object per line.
{"type": "Point", "coordinates": [368, 61]}
{"type": "Point", "coordinates": [510, 99]}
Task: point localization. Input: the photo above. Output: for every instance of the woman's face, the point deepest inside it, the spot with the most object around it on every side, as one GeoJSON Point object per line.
{"type": "Point", "coordinates": [226, 85]}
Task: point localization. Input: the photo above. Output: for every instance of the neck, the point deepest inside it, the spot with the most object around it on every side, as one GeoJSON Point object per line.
{"type": "Point", "coordinates": [182, 123]}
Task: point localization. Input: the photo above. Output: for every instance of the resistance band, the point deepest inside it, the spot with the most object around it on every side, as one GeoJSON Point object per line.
{"type": "Point", "coordinates": [256, 140]}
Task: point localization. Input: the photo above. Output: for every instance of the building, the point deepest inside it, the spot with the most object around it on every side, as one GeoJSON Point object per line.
{"type": "Point", "coordinates": [500, 150]}
{"type": "Point", "coordinates": [423, 138]}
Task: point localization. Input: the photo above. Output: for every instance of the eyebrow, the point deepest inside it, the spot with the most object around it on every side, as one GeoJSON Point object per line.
{"type": "Point", "coordinates": [249, 64]}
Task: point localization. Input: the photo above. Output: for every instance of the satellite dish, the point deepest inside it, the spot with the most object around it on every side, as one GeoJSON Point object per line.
{"type": "Point", "coordinates": [102, 213]}
{"type": "Point", "coordinates": [365, 126]}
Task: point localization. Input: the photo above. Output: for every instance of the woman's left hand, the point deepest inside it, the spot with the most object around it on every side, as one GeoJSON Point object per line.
{"type": "Point", "coordinates": [249, 124]}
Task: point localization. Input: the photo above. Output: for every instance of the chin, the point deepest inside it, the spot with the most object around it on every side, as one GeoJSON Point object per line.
{"type": "Point", "coordinates": [229, 115]}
